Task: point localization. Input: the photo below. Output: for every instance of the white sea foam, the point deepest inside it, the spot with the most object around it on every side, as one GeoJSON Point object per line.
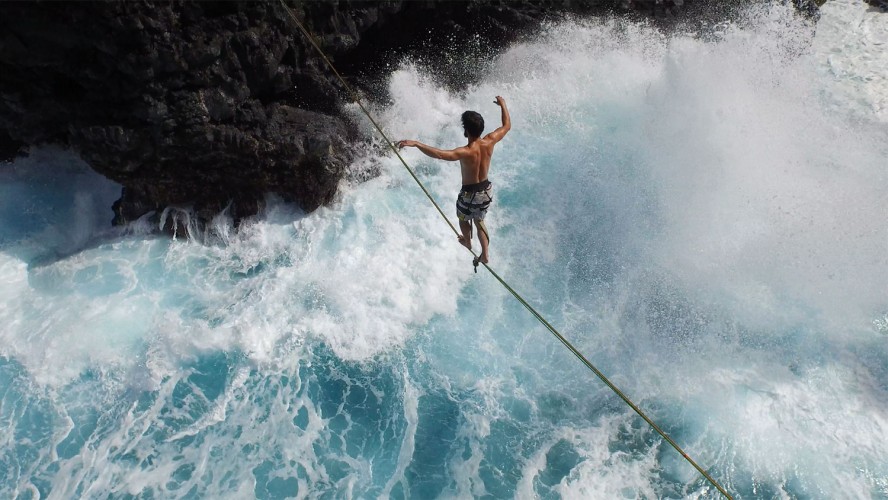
{"type": "Point", "coordinates": [852, 46]}
{"type": "Point", "coordinates": [608, 474]}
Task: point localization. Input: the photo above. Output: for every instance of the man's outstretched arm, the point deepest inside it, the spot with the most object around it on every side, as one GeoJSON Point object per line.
{"type": "Point", "coordinates": [498, 134]}
{"type": "Point", "coordinates": [440, 154]}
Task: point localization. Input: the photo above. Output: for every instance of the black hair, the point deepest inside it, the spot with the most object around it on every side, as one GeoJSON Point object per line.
{"type": "Point", "coordinates": [473, 123]}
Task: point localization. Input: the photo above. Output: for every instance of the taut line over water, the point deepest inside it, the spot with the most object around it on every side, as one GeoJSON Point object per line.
{"type": "Point", "coordinates": [354, 95]}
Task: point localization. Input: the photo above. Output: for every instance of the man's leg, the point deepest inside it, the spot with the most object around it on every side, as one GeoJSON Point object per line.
{"type": "Point", "coordinates": [482, 237]}
{"type": "Point", "coordinates": [466, 238]}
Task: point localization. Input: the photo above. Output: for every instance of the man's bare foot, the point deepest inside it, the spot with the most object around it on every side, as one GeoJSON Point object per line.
{"type": "Point", "coordinates": [465, 242]}
{"type": "Point", "coordinates": [483, 258]}
{"type": "Point", "coordinates": [479, 260]}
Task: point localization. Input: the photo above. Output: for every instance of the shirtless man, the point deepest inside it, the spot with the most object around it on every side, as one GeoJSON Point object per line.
{"type": "Point", "coordinates": [474, 159]}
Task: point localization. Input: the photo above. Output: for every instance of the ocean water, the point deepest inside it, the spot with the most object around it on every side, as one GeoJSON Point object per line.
{"type": "Point", "coordinates": [705, 217]}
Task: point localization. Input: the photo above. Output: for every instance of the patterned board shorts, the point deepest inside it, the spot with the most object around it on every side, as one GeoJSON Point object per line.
{"type": "Point", "coordinates": [473, 201]}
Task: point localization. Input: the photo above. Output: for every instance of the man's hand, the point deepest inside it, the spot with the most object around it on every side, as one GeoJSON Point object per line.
{"type": "Point", "coordinates": [498, 134]}
{"type": "Point", "coordinates": [406, 143]}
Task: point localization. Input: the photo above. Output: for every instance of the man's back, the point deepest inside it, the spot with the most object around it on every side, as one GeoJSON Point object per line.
{"type": "Point", "coordinates": [476, 162]}
{"type": "Point", "coordinates": [474, 158]}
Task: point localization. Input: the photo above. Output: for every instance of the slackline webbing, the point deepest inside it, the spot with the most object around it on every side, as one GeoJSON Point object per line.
{"type": "Point", "coordinates": [538, 316]}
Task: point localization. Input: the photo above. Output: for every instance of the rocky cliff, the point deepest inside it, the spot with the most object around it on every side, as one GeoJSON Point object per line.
{"type": "Point", "coordinates": [215, 104]}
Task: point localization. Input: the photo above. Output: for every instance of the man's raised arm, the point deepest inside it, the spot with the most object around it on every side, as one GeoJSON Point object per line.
{"type": "Point", "coordinates": [498, 134]}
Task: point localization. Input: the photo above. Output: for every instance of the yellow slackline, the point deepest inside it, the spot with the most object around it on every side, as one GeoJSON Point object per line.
{"type": "Point", "coordinates": [511, 290]}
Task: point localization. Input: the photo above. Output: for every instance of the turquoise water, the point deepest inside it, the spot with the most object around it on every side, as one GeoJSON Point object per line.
{"type": "Point", "coordinates": [705, 220]}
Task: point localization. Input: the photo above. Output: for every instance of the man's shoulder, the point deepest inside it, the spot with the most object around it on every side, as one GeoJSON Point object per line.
{"type": "Point", "coordinates": [488, 142]}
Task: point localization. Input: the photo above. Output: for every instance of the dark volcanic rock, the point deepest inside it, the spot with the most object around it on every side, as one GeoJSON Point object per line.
{"type": "Point", "coordinates": [215, 104]}
{"type": "Point", "coordinates": [9, 147]}
{"type": "Point", "coordinates": [181, 103]}
{"type": "Point", "coordinates": [879, 4]}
